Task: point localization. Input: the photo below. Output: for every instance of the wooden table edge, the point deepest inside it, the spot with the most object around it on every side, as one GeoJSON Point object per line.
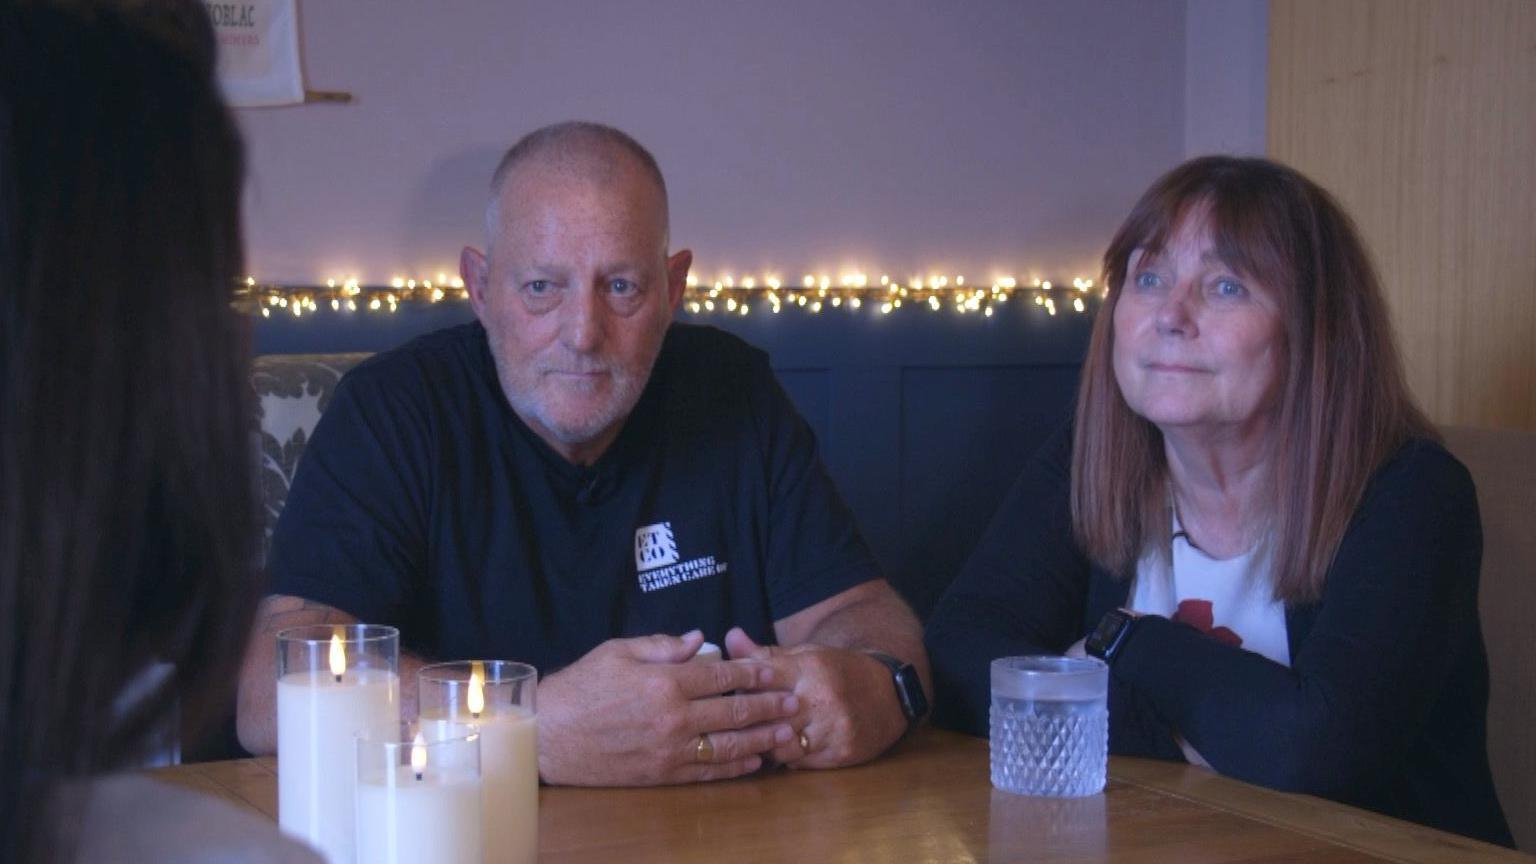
{"type": "Point", "coordinates": [1361, 830]}
{"type": "Point", "coordinates": [1349, 827]}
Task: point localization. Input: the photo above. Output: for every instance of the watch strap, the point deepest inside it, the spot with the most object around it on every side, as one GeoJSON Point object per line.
{"type": "Point", "coordinates": [909, 688]}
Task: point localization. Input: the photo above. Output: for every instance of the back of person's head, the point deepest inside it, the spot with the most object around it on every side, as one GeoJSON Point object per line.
{"type": "Point", "coordinates": [127, 502]}
{"type": "Point", "coordinates": [1344, 406]}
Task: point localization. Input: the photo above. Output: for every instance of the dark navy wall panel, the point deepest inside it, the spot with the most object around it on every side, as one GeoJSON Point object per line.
{"type": "Point", "coordinates": [966, 434]}
{"type": "Point", "coordinates": [327, 332]}
{"type": "Point", "coordinates": [809, 390]}
{"type": "Point", "coordinates": [924, 419]}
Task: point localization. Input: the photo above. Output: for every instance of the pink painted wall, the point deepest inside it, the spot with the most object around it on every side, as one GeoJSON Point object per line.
{"type": "Point", "coordinates": [913, 136]}
{"type": "Point", "coordinates": [1226, 76]}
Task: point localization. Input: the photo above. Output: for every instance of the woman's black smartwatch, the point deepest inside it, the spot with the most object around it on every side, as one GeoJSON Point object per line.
{"type": "Point", "coordinates": [909, 688]}
{"type": "Point", "coordinates": [1105, 640]}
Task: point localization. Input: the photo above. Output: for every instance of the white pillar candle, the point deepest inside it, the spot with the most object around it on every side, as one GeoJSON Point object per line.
{"type": "Point", "coordinates": [496, 699]}
{"type": "Point", "coordinates": [318, 717]}
{"type": "Point", "coordinates": [509, 769]}
{"type": "Point", "coordinates": [422, 814]}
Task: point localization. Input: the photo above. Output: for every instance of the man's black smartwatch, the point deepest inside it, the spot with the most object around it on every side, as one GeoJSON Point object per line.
{"type": "Point", "coordinates": [1105, 640]}
{"type": "Point", "coordinates": [909, 688]}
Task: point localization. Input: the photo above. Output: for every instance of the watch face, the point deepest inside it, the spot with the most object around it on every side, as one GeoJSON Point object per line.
{"type": "Point", "coordinates": [1109, 625]}
{"type": "Point", "coordinates": [1102, 643]}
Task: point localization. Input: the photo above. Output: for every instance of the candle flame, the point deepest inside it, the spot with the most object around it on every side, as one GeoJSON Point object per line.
{"type": "Point", "coordinates": [338, 655]}
{"type": "Point", "coordinates": [476, 688]}
{"type": "Point", "coordinates": [419, 755]}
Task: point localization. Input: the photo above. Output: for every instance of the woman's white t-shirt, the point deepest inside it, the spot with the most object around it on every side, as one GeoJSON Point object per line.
{"type": "Point", "coordinates": [1229, 599]}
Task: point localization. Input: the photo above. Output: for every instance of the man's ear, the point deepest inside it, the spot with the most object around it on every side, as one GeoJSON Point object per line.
{"type": "Point", "coordinates": [474, 270]}
{"type": "Point", "coordinates": [677, 277]}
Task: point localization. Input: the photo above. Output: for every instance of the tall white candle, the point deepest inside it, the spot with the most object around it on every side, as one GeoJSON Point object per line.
{"type": "Point", "coordinates": [509, 769]}
{"type": "Point", "coordinates": [431, 815]}
{"type": "Point", "coordinates": [318, 717]}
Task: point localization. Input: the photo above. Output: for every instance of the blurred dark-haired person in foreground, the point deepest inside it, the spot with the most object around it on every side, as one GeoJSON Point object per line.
{"type": "Point", "coordinates": [1249, 520]}
{"type": "Point", "coordinates": [128, 515]}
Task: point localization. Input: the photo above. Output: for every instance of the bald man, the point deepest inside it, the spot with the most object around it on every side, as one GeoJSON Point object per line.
{"type": "Point", "coordinates": [577, 482]}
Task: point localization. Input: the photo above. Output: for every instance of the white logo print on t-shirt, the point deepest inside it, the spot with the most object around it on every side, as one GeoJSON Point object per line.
{"type": "Point", "coordinates": [655, 546]}
{"type": "Point", "coordinates": [656, 559]}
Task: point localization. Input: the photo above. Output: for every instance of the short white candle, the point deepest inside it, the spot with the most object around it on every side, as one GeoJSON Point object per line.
{"type": "Point", "coordinates": [424, 814]}
{"type": "Point", "coordinates": [318, 717]}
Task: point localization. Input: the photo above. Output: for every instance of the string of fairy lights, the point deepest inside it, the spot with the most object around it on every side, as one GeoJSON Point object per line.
{"type": "Point", "coordinates": [727, 294]}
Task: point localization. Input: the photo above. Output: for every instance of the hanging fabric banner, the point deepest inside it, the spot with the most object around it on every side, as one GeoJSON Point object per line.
{"type": "Point", "coordinates": [258, 52]}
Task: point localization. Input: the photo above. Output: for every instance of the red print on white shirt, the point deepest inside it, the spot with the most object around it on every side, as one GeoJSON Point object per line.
{"type": "Point", "coordinates": [1197, 614]}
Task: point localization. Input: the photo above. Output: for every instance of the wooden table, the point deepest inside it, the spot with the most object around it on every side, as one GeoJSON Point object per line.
{"type": "Point", "coordinates": [931, 801]}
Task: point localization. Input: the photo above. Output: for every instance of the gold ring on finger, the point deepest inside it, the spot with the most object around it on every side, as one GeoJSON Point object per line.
{"type": "Point", "coordinates": [805, 743]}
{"type": "Point", "coordinates": [704, 751]}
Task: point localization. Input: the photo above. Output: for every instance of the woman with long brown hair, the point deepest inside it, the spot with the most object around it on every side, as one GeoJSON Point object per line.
{"type": "Point", "coordinates": [128, 514]}
{"type": "Point", "coordinates": [1248, 520]}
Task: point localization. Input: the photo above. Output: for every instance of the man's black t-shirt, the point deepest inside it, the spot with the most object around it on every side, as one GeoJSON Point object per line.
{"type": "Point", "coordinates": [423, 501]}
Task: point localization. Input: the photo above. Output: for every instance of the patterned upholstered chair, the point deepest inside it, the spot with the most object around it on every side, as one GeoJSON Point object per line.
{"type": "Point", "coordinates": [291, 392]}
